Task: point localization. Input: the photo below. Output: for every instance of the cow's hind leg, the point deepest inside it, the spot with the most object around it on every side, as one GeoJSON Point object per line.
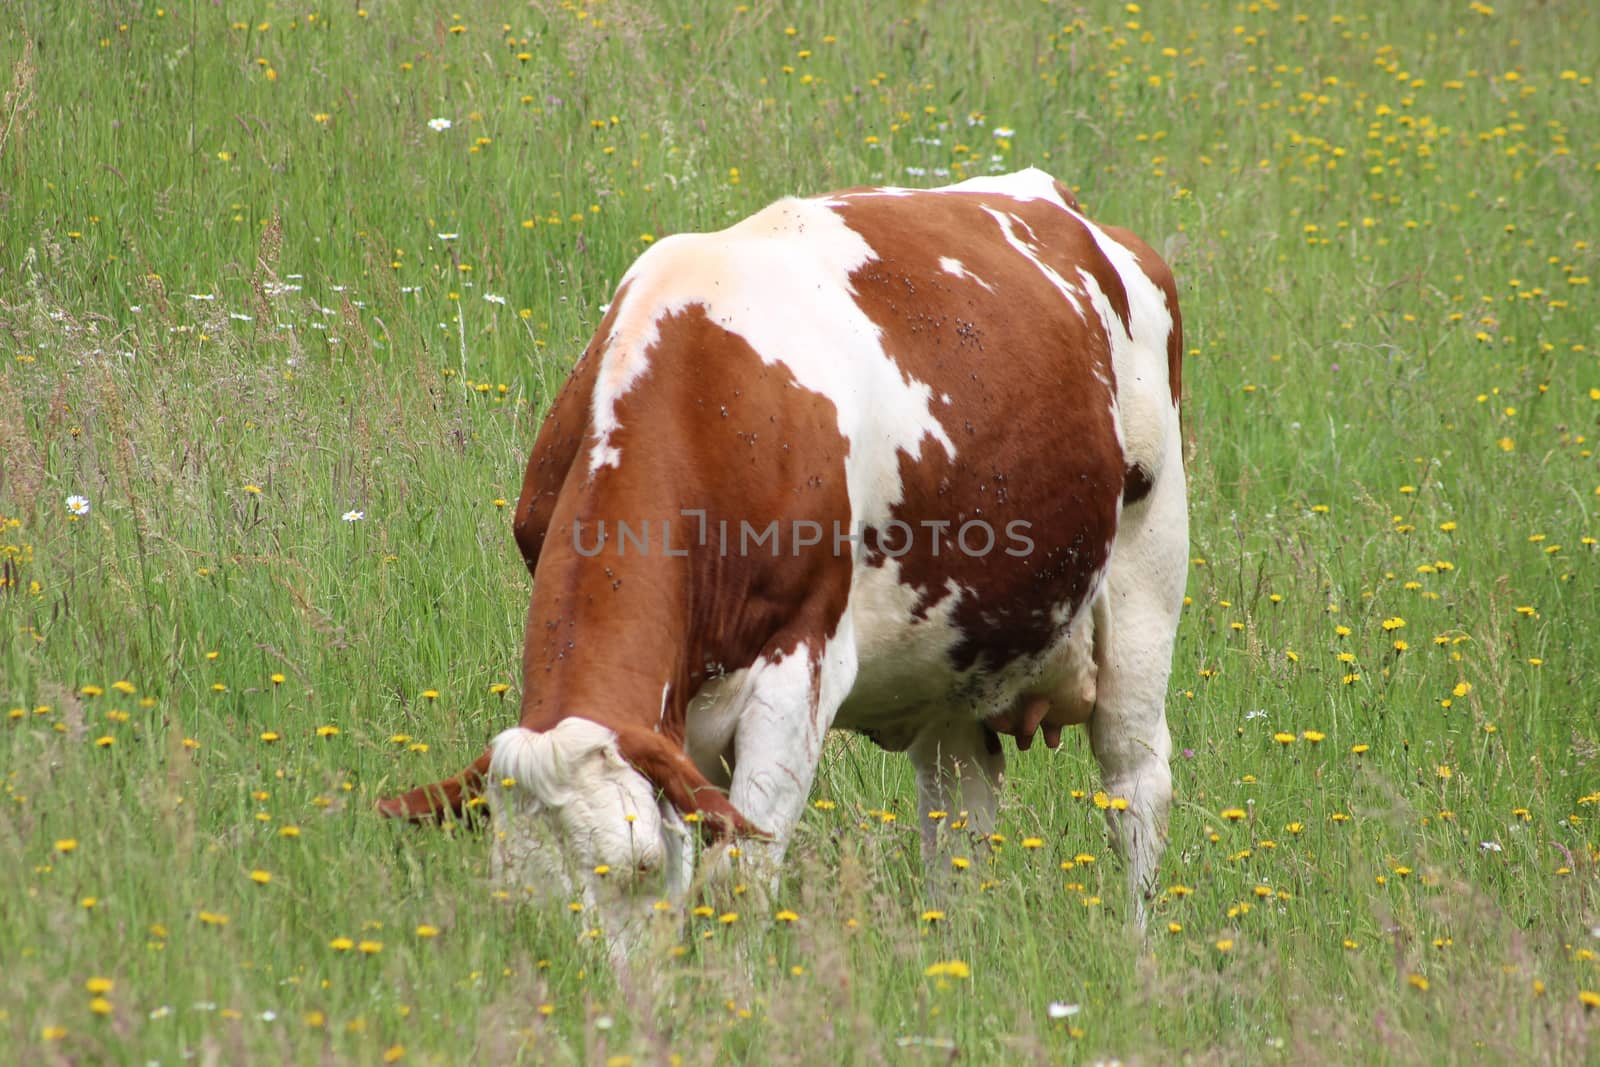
{"type": "Point", "coordinates": [958, 763]}
{"type": "Point", "coordinates": [1136, 616]}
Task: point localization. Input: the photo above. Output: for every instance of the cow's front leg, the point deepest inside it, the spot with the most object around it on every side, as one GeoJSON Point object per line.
{"type": "Point", "coordinates": [790, 703]}
{"type": "Point", "coordinates": [959, 764]}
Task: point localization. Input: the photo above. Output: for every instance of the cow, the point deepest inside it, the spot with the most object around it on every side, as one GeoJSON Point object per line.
{"type": "Point", "coordinates": [901, 462]}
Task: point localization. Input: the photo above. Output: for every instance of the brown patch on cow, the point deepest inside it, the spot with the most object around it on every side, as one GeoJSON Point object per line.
{"type": "Point", "coordinates": [708, 426]}
{"type": "Point", "coordinates": [1016, 359]}
{"type": "Point", "coordinates": [561, 438]}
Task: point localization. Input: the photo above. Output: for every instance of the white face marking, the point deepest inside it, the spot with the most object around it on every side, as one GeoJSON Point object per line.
{"type": "Point", "coordinates": [959, 269]}
{"type": "Point", "coordinates": [781, 281]}
{"type": "Point", "coordinates": [573, 805]}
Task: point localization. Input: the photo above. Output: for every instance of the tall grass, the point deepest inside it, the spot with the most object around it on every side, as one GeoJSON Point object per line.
{"type": "Point", "coordinates": [246, 288]}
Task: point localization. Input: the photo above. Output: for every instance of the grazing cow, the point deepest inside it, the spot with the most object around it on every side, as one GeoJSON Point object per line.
{"type": "Point", "coordinates": [901, 462]}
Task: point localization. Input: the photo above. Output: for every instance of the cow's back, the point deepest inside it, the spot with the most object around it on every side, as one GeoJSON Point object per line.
{"type": "Point", "coordinates": [999, 372]}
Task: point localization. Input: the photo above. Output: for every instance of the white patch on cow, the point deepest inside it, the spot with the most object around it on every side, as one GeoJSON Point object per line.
{"type": "Point", "coordinates": [572, 804]}
{"type": "Point", "coordinates": [786, 704]}
{"type": "Point", "coordinates": [1008, 227]}
{"type": "Point", "coordinates": [781, 281]}
{"type": "Point", "coordinates": [1029, 184]}
{"type": "Point", "coordinates": [906, 674]}
{"type": "Point", "coordinates": [959, 269]}
{"type": "Point", "coordinates": [711, 720]}
{"type": "Point", "coordinates": [905, 659]}
{"type": "Point", "coordinates": [1138, 356]}
{"type": "Point", "coordinates": [778, 733]}
{"type": "Point", "coordinates": [661, 717]}
{"type": "Point", "coordinates": [1136, 619]}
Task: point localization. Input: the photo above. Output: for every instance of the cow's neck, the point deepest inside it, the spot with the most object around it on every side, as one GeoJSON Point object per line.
{"type": "Point", "coordinates": [607, 639]}
{"type": "Point", "coordinates": [621, 640]}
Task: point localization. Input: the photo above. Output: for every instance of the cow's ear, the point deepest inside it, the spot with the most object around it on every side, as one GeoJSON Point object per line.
{"type": "Point", "coordinates": [670, 770]}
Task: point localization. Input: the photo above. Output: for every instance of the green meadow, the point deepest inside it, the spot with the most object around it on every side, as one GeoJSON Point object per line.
{"type": "Point", "coordinates": [285, 290]}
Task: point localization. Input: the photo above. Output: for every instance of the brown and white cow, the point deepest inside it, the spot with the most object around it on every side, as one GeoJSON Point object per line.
{"type": "Point", "coordinates": [895, 461]}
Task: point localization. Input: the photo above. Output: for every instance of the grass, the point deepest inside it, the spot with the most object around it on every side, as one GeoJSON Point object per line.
{"type": "Point", "coordinates": [230, 314]}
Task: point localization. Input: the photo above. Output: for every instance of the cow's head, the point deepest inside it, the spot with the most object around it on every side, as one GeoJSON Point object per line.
{"type": "Point", "coordinates": [579, 811]}
{"type": "Point", "coordinates": [572, 817]}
